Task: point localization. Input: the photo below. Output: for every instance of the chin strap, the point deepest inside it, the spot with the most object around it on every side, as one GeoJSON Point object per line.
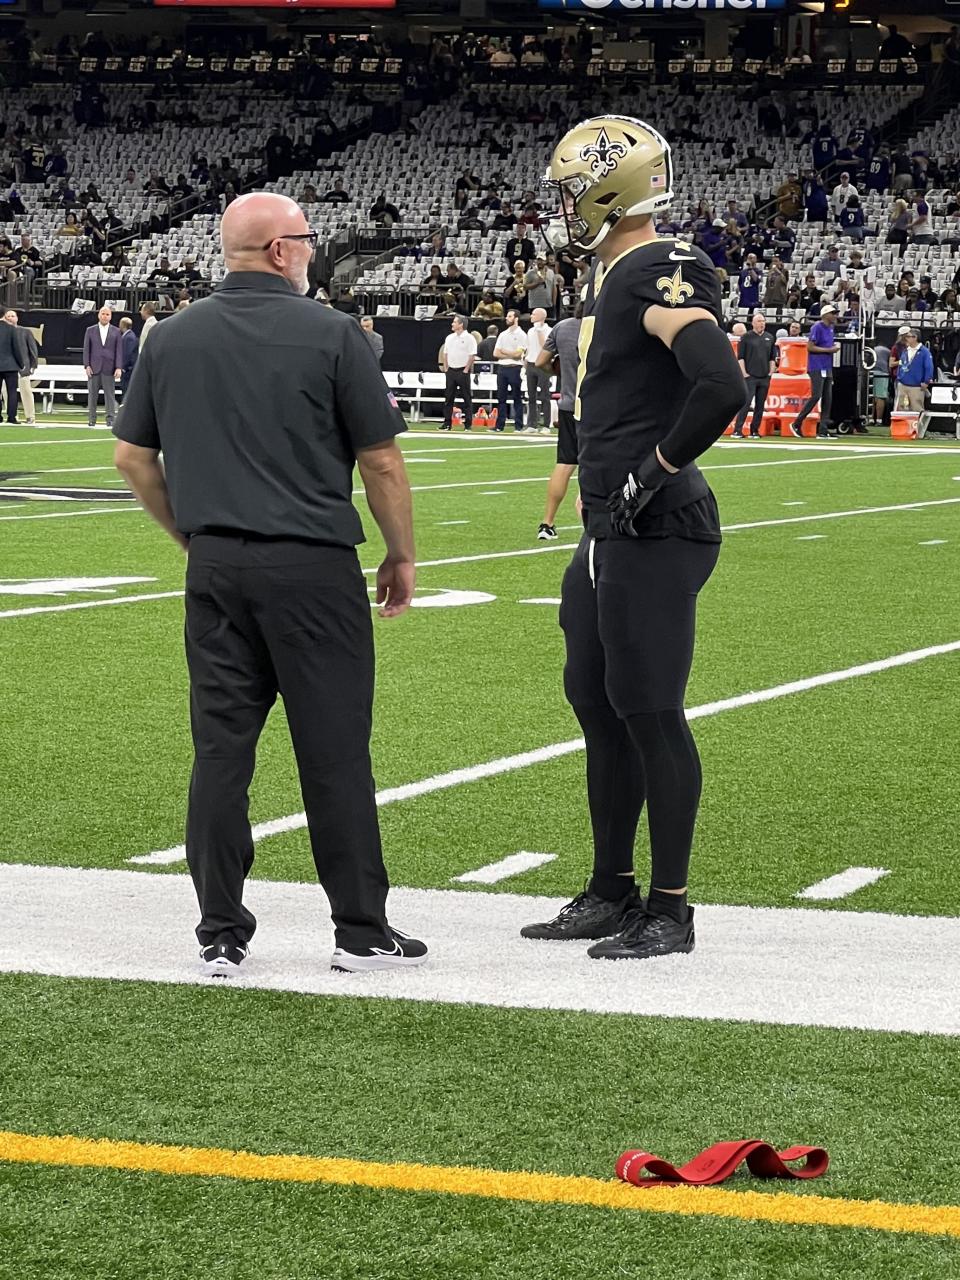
{"type": "Point", "coordinates": [718, 1162]}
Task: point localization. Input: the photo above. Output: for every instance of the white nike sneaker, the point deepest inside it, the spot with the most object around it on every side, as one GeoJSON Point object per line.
{"type": "Point", "coordinates": [404, 953]}
{"type": "Point", "coordinates": [223, 958]}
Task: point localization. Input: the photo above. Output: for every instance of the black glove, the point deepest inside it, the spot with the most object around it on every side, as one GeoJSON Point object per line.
{"type": "Point", "coordinates": [626, 503]}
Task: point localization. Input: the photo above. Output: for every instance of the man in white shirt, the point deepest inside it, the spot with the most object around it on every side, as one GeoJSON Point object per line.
{"type": "Point", "coordinates": [509, 353]}
{"type": "Point", "coordinates": [538, 380]}
{"type": "Point", "coordinates": [459, 354]}
{"type": "Point", "coordinates": [149, 317]}
{"type": "Point", "coordinates": [841, 193]}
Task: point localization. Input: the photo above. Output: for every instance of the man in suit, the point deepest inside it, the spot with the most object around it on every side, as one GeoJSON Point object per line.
{"type": "Point", "coordinates": [13, 363]}
{"type": "Point", "coordinates": [30, 353]}
{"type": "Point", "coordinates": [102, 363]}
{"type": "Point", "coordinates": [375, 339]}
{"type": "Point", "coordinates": [129, 350]}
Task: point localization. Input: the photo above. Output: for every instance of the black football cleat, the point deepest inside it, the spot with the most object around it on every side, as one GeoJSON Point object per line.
{"type": "Point", "coordinates": [587, 917]}
{"type": "Point", "coordinates": [400, 952]}
{"type": "Point", "coordinates": [646, 936]}
{"type": "Point", "coordinates": [223, 958]}
{"type": "Point", "coordinates": [546, 532]}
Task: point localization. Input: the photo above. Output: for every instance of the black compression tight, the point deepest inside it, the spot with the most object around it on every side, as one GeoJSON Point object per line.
{"type": "Point", "coordinates": [629, 614]}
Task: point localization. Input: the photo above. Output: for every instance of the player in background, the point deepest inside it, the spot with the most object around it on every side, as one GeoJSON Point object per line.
{"type": "Point", "coordinates": [562, 345]}
{"type": "Point", "coordinates": [657, 384]}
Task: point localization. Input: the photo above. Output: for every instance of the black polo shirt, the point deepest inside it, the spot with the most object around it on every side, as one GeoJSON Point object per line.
{"type": "Point", "coordinates": [756, 350]}
{"type": "Point", "coordinates": [259, 399]}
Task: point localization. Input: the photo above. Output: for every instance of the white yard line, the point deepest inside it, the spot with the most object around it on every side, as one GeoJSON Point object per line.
{"type": "Point", "coordinates": [129, 509]}
{"type": "Point", "coordinates": [843, 884]}
{"type": "Point", "coordinates": [509, 764]}
{"type": "Point", "coordinates": [468, 484]}
{"type": "Point", "coordinates": [795, 966]}
{"type": "Point", "coordinates": [501, 555]}
{"type": "Point", "coordinates": [483, 448]}
{"type": "Point", "coordinates": [169, 595]}
{"type": "Point", "coordinates": [29, 444]}
{"type": "Point", "coordinates": [467, 440]}
{"type": "Point", "coordinates": [840, 515]}
{"type": "Point", "coordinates": [68, 471]}
{"type": "Point", "coordinates": [87, 604]}
{"type": "Point", "coordinates": [513, 865]}
{"type": "Point", "coordinates": [357, 493]}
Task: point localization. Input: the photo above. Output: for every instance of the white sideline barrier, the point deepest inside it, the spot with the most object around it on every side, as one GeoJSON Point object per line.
{"type": "Point", "coordinates": [57, 379]}
{"type": "Point", "coordinates": [420, 388]}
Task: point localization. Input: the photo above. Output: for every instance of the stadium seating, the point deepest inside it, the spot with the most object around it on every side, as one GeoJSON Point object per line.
{"type": "Point", "coordinates": [417, 167]}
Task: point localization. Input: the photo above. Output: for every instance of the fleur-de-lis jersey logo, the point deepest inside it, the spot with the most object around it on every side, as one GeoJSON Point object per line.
{"type": "Point", "coordinates": [675, 288]}
{"type": "Point", "coordinates": [603, 154]}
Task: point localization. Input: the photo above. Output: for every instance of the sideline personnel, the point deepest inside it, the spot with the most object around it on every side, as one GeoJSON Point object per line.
{"type": "Point", "coordinates": [261, 402]}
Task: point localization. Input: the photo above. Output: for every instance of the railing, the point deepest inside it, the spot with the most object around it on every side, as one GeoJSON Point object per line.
{"type": "Point", "coordinates": [56, 295]}
{"type": "Point", "coordinates": [309, 73]}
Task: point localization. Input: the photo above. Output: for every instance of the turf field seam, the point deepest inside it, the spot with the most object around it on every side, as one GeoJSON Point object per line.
{"type": "Point", "coordinates": [508, 764]}
{"type": "Point", "coordinates": [493, 1184]}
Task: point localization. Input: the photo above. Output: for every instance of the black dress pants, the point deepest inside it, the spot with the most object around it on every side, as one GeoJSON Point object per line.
{"type": "Point", "coordinates": [12, 384]}
{"type": "Point", "coordinates": [757, 391]}
{"type": "Point", "coordinates": [821, 392]}
{"type": "Point", "coordinates": [458, 384]}
{"type": "Point", "coordinates": [292, 618]}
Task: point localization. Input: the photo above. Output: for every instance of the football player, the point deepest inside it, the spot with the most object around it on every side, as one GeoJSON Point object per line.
{"type": "Point", "coordinates": [657, 384]}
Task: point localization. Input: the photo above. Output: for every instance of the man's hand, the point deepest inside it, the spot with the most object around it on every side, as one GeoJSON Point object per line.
{"type": "Point", "coordinates": [88, 371]}
{"type": "Point", "coordinates": [117, 375]}
{"type": "Point", "coordinates": [395, 584]}
{"type": "Point", "coordinates": [626, 503]}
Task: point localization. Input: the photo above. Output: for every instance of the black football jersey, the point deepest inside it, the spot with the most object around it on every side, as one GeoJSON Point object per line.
{"type": "Point", "coordinates": [630, 388]}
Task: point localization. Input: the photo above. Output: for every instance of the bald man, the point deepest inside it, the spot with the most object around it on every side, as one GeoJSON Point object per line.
{"type": "Point", "coordinates": [538, 378]}
{"type": "Point", "coordinates": [261, 402]}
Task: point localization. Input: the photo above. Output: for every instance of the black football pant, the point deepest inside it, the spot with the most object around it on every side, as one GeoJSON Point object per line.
{"type": "Point", "coordinates": [292, 618]}
{"type": "Point", "coordinates": [757, 391]}
{"type": "Point", "coordinates": [628, 614]}
{"type": "Point", "coordinates": [458, 385]}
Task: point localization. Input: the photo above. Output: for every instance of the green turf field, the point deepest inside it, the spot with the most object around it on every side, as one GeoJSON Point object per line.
{"type": "Point", "coordinates": [853, 773]}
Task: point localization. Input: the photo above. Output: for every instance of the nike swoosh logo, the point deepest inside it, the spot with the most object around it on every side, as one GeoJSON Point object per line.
{"type": "Point", "coordinates": [397, 950]}
{"type": "Point", "coordinates": [680, 257]}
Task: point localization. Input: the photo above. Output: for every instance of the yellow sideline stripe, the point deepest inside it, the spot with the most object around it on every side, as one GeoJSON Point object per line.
{"type": "Point", "coordinates": [538, 1188]}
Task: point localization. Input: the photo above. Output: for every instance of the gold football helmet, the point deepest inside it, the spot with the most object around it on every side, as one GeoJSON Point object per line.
{"type": "Point", "coordinates": [605, 169]}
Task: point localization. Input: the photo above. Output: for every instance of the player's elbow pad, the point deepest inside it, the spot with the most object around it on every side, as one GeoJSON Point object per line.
{"type": "Point", "coordinates": [706, 359]}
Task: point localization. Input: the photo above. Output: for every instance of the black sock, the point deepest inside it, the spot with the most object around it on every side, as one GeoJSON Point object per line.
{"type": "Point", "coordinates": [672, 769]}
{"type": "Point", "coordinates": [673, 905]}
{"type": "Point", "coordinates": [615, 789]}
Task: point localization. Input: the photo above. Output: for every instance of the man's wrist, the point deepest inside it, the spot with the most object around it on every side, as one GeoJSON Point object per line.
{"type": "Point", "coordinates": [650, 473]}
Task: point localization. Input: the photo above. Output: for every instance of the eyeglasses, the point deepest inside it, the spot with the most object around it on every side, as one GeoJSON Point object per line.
{"type": "Point", "coordinates": [311, 237]}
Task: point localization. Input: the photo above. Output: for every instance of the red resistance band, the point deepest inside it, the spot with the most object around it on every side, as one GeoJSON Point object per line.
{"type": "Point", "coordinates": [718, 1162]}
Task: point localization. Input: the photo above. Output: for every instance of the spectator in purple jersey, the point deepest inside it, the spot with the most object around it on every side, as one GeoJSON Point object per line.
{"type": "Point", "coordinates": [821, 348]}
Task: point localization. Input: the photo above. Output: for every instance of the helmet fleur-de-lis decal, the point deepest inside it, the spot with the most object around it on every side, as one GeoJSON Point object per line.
{"type": "Point", "coordinates": [603, 154]}
{"type": "Point", "coordinates": [675, 289]}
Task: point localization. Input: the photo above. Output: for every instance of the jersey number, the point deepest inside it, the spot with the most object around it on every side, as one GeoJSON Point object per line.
{"type": "Point", "coordinates": [583, 346]}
